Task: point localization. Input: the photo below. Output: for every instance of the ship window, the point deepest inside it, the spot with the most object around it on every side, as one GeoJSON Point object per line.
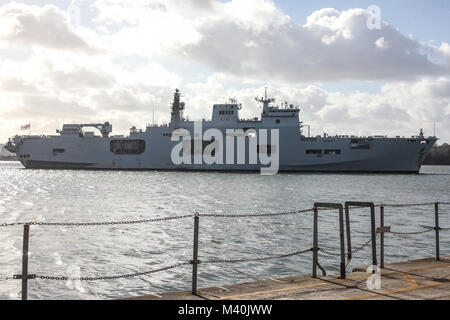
{"type": "Point", "coordinates": [127, 146]}
{"type": "Point", "coordinates": [221, 112]}
{"type": "Point", "coordinates": [334, 151]}
{"type": "Point", "coordinates": [318, 151]}
{"type": "Point", "coordinates": [59, 150]}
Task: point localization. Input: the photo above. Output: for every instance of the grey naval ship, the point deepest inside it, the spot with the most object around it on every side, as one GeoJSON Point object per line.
{"type": "Point", "coordinates": [152, 149]}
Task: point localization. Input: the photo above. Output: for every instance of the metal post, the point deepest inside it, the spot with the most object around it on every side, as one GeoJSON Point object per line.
{"type": "Point", "coordinates": [195, 254]}
{"type": "Point", "coordinates": [381, 236]}
{"type": "Point", "coordinates": [374, 235]}
{"type": "Point", "coordinates": [436, 228]}
{"type": "Point", "coordinates": [373, 229]}
{"type": "Point", "coordinates": [349, 238]}
{"type": "Point", "coordinates": [315, 243]}
{"type": "Point", "coordinates": [26, 238]}
{"type": "Point", "coordinates": [341, 236]}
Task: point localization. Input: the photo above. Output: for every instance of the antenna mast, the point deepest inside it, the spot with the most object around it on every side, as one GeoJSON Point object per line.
{"type": "Point", "coordinates": [265, 101]}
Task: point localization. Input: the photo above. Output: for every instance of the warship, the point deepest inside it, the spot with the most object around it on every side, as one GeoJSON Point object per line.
{"type": "Point", "coordinates": [249, 145]}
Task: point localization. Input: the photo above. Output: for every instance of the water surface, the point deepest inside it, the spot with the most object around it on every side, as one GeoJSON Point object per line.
{"type": "Point", "coordinates": [90, 196]}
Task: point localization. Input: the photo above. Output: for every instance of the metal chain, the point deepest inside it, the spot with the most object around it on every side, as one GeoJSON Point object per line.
{"type": "Point", "coordinates": [328, 252]}
{"type": "Point", "coordinates": [414, 232]}
{"type": "Point", "coordinates": [410, 205]}
{"type": "Point", "coordinates": [85, 224]}
{"type": "Point", "coordinates": [353, 251]}
{"type": "Point", "coordinates": [12, 224]}
{"type": "Point", "coordinates": [137, 274]}
{"type": "Point", "coordinates": [364, 245]}
{"type": "Point", "coordinates": [254, 215]}
{"type": "Point", "coordinates": [81, 224]}
{"type": "Point", "coordinates": [253, 259]}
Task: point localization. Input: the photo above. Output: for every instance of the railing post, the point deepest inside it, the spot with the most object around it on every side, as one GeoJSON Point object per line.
{"type": "Point", "coordinates": [24, 276]}
{"type": "Point", "coordinates": [341, 237]}
{"type": "Point", "coordinates": [373, 230]}
{"type": "Point", "coordinates": [315, 243]}
{"type": "Point", "coordinates": [26, 241]}
{"type": "Point", "coordinates": [195, 254]}
{"type": "Point", "coordinates": [381, 236]}
{"type": "Point", "coordinates": [436, 228]}
{"type": "Point", "coordinates": [349, 237]}
{"type": "Point", "coordinates": [374, 235]}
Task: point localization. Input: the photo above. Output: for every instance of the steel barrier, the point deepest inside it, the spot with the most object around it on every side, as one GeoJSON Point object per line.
{"type": "Point", "coordinates": [338, 206]}
{"type": "Point", "coordinates": [370, 205]}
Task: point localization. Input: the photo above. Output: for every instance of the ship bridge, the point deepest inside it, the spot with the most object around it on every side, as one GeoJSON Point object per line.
{"type": "Point", "coordinates": [227, 111]}
{"type": "Point", "coordinates": [286, 114]}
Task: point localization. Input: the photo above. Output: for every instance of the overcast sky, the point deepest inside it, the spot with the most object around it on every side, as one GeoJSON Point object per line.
{"type": "Point", "coordinates": [117, 60]}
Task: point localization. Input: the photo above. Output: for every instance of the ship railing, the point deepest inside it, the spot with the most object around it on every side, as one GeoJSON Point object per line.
{"type": "Point", "coordinates": [344, 251]}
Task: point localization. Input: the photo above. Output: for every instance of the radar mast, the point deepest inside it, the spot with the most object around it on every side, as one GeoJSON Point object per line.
{"type": "Point", "coordinates": [265, 101]}
{"type": "Point", "coordinates": [177, 107]}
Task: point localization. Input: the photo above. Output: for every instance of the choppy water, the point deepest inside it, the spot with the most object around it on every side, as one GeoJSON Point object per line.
{"type": "Point", "coordinates": [87, 196]}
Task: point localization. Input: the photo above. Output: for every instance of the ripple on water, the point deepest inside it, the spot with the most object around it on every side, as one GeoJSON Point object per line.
{"type": "Point", "coordinates": [86, 196]}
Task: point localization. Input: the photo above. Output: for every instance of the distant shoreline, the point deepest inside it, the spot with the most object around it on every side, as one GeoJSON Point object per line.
{"type": "Point", "coordinates": [439, 155]}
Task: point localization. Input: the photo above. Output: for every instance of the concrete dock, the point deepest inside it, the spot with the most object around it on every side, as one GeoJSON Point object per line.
{"type": "Point", "coordinates": [424, 279]}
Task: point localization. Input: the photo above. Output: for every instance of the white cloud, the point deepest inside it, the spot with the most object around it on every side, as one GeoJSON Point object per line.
{"type": "Point", "coordinates": [380, 43]}
{"type": "Point", "coordinates": [255, 40]}
{"type": "Point", "coordinates": [45, 26]}
{"type": "Point", "coordinates": [121, 66]}
{"type": "Point", "coordinates": [331, 46]}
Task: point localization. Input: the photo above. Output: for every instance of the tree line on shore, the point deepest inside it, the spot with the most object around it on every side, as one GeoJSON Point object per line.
{"type": "Point", "coordinates": [439, 155]}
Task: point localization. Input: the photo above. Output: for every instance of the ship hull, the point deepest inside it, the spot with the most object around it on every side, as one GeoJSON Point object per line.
{"type": "Point", "coordinates": [47, 165]}
{"type": "Point", "coordinates": [383, 155]}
